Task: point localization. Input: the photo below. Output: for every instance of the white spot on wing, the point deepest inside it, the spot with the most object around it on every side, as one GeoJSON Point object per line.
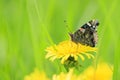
{"type": "Point", "coordinates": [93, 26]}
{"type": "Point", "coordinates": [88, 24]}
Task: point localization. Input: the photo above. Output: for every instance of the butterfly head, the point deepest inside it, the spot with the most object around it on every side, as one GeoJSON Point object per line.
{"type": "Point", "coordinates": [93, 24]}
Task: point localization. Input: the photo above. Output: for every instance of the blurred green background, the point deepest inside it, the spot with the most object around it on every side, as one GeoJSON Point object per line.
{"type": "Point", "coordinates": [27, 27]}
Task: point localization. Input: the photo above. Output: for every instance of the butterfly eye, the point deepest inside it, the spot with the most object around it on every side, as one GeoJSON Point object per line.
{"type": "Point", "coordinates": [97, 23]}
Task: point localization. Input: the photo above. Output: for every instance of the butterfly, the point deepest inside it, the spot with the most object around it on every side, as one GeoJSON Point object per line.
{"type": "Point", "coordinates": [86, 34]}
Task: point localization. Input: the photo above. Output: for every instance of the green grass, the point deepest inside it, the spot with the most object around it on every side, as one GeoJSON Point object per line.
{"type": "Point", "coordinates": [27, 27]}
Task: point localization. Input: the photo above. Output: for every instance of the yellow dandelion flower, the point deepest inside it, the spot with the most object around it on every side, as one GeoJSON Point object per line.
{"type": "Point", "coordinates": [102, 72]}
{"type": "Point", "coordinates": [67, 49]}
{"type": "Point", "coordinates": [66, 76]}
{"type": "Point", "coordinates": [36, 75]}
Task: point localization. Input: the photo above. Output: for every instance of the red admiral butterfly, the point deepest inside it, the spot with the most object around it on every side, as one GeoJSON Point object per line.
{"type": "Point", "coordinates": [87, 34]}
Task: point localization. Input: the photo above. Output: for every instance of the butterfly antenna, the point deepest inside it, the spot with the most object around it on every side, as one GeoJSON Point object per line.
{"type": "Point", "coordinates": [68, 29]}
{"type": "Point", "coordinates": [67, 26]}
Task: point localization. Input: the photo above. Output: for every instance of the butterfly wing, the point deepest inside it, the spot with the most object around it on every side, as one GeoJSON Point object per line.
{"type": "Point", "coordinates": [86, 35]}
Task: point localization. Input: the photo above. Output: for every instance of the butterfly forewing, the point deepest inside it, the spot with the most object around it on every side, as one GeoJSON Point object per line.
{"type": "Point", "coordinates": [87, 34]}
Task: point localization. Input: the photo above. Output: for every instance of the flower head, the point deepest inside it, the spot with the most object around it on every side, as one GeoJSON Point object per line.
{"type": "Point", "coordinates": [36, 75]}
{"type": "Point", "coordinates": [101, 72]}
{"type": "Point", "coordinates": [67, 49]}
{"type": "Point", "coordinates": [66, 76]}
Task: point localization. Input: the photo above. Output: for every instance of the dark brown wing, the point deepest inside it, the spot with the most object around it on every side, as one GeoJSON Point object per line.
{"type": "Point", "coordinates": [86, 37]}
{"type": "Point", "coordinates": [87, 34]}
